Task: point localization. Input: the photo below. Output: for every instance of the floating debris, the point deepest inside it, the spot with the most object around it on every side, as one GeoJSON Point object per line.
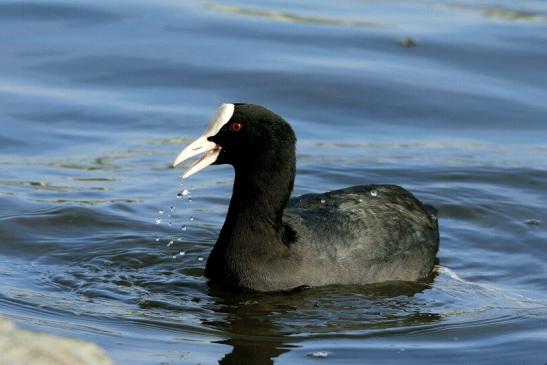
{"type": "Point", "coordinates": [407, 42]}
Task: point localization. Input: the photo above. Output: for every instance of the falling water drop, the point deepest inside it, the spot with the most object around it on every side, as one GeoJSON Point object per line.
{"type": "Point", "coordinates": [170, 243]}
{"type": "Point", "coordinates": [182, 253]}
{"type": "Point", "coordinates": [185, 192]}
{"type": "Point", "coordinates": [158, 220]}
{"type": "Point", "coordinates": [157, 239]}
{"type": "Point", "coordinates": [200, 258]}
{"type": "Point", "coordinates": [183, 228]}
{"type": "Point", "coordinates": [160, 212]}
{"type": "Point", "coordinates": [323, 201]}
{"type": "Point", "coordinates": [374, 193]}
{"type": "Point", "coordinates": [191, 218]}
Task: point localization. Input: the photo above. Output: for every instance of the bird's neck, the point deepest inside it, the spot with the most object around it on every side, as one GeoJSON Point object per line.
{"type": "Point", "coordinates": [253, 231]}
{"type": "Point", "coordinates": [259, 197]}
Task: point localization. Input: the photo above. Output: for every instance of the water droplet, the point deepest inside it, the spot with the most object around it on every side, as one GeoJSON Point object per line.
{"type": "Point", "coordinates": [185, 192]}
{"type": "Point", "coordinates": [160, 211]}
{"type": "Point", "coordinates": [321, 354]}
{"type": "Point", "coordinates": [183, 228]}
{"type": "Point", "coordinates": [360, 200]}
{"type": "Point", "coordinates": [374, 193]}
{"type": "Point", "coordinates": [170, 243]}
{"type": "Point", "coordinates": [191, 218]}
{"type": "Point", "coordinates": [171, 208]}
{"type": "Point", "coordinates": [190, 200]}
{"type": "Point", "coordinates": [200, 258]}
{"type": "Point", "coordinates": [158, 220]}
{"type": "Point", "coordinates": [179, 195]}
{"type": "Point", "coordinates": [323, 201]}
{"type": "Point", "coordinates": [174, 257]}
{"type": "Point", "coordinates": [157, 239]}
{"type": "Point", "coordinates": [170, 223]}
{"type": "Point", "coordinates": [179, 239]}
{"type": "Point", "coordinates": [182, 253]}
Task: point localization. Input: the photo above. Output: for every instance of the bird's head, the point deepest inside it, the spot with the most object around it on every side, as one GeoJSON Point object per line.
{"type": "Point", "coordinates": [242, 135]}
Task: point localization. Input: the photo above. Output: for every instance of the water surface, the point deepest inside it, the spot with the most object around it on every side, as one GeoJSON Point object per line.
{"type": "Point", "coordinates": [444, 98]}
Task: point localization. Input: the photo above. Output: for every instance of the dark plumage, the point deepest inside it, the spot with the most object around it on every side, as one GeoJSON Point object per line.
{"type": "Point", "coordinates": [357, 235]}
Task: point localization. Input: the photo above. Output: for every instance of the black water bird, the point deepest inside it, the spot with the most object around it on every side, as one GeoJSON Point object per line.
{"type": "Point", "coordinates": [270, 242]}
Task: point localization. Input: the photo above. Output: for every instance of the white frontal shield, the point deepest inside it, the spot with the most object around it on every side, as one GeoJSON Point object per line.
{"type": "Point", "coordinates": [201, 145]}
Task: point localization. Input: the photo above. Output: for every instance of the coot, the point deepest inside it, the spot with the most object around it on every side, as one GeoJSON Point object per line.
{"type": "Point", "coordinates": [357, 235]}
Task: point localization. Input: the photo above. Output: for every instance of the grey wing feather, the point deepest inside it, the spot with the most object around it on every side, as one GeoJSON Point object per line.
{"type": "Point", "coordinates": [368, 233]}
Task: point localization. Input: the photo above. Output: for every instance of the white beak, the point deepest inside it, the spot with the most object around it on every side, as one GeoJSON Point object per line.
{"type": "Point", "coordinates": [201, 145]}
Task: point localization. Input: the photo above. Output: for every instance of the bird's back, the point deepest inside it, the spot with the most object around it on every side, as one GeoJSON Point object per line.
{"type": "Point", "coordinates": [362, 234]}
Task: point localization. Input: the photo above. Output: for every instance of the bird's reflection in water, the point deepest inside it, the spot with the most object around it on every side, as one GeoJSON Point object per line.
{"type": "Point", "coordinates": [261, 327]}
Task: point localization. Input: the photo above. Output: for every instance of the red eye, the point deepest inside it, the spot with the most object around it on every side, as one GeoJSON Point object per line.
{"type": "Point", "coordinates": [234, 127]}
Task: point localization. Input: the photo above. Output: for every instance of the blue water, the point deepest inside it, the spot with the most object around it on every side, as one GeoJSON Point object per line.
{"type": "Point", "coordinates": [446, 98]}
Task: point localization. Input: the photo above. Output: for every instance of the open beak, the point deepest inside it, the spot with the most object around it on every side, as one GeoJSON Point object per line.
{"type": "Point", "coordinates": [209, 149]}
